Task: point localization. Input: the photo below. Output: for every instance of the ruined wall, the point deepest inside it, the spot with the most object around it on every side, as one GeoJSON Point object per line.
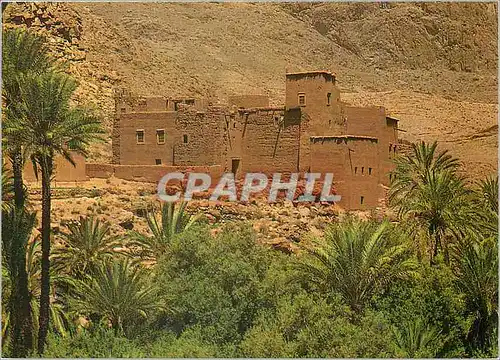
{"type": "Point", "coordinates": [201, 137]}
{"type": "Point", "coordinates": [249, 101]}
{"type": "Point", "coordinates": [270, 141]}
{"type": "Point", "coordinates": [103, 171]}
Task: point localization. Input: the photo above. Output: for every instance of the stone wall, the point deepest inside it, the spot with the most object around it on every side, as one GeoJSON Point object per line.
{"type": "Point", "coordinates": [270, 141]}
{"type": "Point", "coordinates": [201, 137]}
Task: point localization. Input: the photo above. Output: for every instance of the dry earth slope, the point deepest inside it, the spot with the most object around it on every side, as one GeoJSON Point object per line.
{"type": "Point", "coordinates": [432, 65]}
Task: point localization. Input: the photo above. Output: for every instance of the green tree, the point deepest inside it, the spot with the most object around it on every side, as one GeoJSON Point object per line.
{"type": "Point", "coordinates": [48, 125]}
{"type": "Point", "coordinates": [24, 54]}
{"type": "Point", "coordinates": [119, 292]}
{"type": "Point", "coordinates": [355, 259]}
{"type": "Point", "coordinates": [170, 220]}
{"type": "Point", "coordinates": [488, 190]}
{"type": "Point", "coordinates": [17, 226]}
{"type": "Point", "coordinates": [216, 283]}
{"type": "Point", "coordinates": [430, 197]}
{"type": "Point", "coordinates": [477, 277]}
{"type": "Point", "coordinates": [59, 284]}
{"type": "Point", "coordinates": [416, 340]}
{"type": "Point", "coordinates": [84, 246]}
{"type": "Point", "coordinates": [487, 206]}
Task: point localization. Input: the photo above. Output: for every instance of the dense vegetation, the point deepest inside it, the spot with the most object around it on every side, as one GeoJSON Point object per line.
{"type": "Point", "coordinates": [422, 285]}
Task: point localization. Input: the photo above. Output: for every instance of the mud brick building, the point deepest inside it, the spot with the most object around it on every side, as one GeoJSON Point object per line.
{"type": "Point", "coordinates": [314, 131]}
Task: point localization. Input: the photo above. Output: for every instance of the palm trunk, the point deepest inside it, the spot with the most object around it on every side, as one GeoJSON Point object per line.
{"type": "Point", "coordinates": [46, 167]}
{"type": "Point", "coordinates": [17, 170]}
{"type": "Point", "coordinates": [22, 321]}
{"type": "Point", "coordinates": [20, 306]}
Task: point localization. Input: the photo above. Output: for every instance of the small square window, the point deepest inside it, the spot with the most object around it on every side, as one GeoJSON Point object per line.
{"type": "Point", "coordinates": [302, 99]}
{"type": "Point", "coordinates": [160, 136]}
{"type": "Point", "coordinates": [139, 136]}
{"type": "Point", "coordinates": [185, 139]}
{"type": "Point", "coordinates": [158, 161]}
{"type": "Point", "coordinates": [369, 171]}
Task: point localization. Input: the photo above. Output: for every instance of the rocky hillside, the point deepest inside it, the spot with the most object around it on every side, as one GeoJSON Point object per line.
{"type": "Point", "coordinates": [432, 65]}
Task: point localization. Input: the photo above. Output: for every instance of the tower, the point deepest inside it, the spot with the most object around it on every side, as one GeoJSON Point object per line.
{"type": "Point", "coordinates": [316, 94]}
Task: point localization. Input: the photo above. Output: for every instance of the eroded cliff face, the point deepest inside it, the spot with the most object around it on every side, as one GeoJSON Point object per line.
{"type": "Point", "coordinates": [432, 65]}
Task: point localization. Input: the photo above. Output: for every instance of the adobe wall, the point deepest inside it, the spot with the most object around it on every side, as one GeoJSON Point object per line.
{"type": "Point", "coordinates": [365, 120]}
{"type": "Point", "coordinates": [133, 153]}
{"type": "Point", "coordinates": [103, 171]}
{"type": "Point", "coordinates": [270, 141]}
{"type": "Point", "coordinates": [205, 137]}
{"type": "Point", "coordinates": [354, 163]}
{"type": "Point", "coordinates": [148, 173]}
{"type": "Point", "coordinates": [248, 101]}
{"type": "Point", "coordinates": [63, 170]}
{"type": "Point", "coordinates": [393, 147]}
{"type": "Point", "coordinates": [126, 103]}
{"type": "Point", "coordinates": [372, 121]}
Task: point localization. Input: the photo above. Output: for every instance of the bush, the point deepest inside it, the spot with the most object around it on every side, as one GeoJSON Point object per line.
{"type": "Point", "coordinates": [100, 343]}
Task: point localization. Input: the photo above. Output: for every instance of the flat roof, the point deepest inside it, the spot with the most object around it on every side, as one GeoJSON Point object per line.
{"type": "Point", "coordinates": [391, 118]}
{"type": "Point", "coordinates": [361, 137]}
{"type": "Point", "coordinates": [314, 72]}
{"type": "Point", "coordinates": [262, 108]}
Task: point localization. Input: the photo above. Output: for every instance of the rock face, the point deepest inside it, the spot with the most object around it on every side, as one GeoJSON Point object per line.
{"type": "Point", "coordinates": [421, 61]}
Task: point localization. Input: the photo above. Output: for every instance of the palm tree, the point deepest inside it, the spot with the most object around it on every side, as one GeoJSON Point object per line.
{"type": "Point", "coordinates": [487, 205]}
{"type": "Point", "coordinates": [171, 220]}
{"type": "Point", "coordinates": [355, 260]}
{"type": "Point", "coordinates": [47, 125]}
{"type": "Point", "coordinates": [7, 189]}
{"type": "Point", "coordinates": [416, 340]}
{"type": "Point", "coordinates": [86, 244]}
{"type": "Point", "coordinates": [477, 277]}
{"type": "Point", "coordinates": [488, 189]}
{"type": "Point", "coordinates": [119, 292]}
{"type": "Point", "coordinates": [415, 167]}
{"type": "Point", "coordinates": [24, 54]}
{"type": "Point", "coordinates": [429, 195]}
{"type": "Point", "coordinates": [17, 226]}
{"type": "Point", "coordinates": [57, 308]}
